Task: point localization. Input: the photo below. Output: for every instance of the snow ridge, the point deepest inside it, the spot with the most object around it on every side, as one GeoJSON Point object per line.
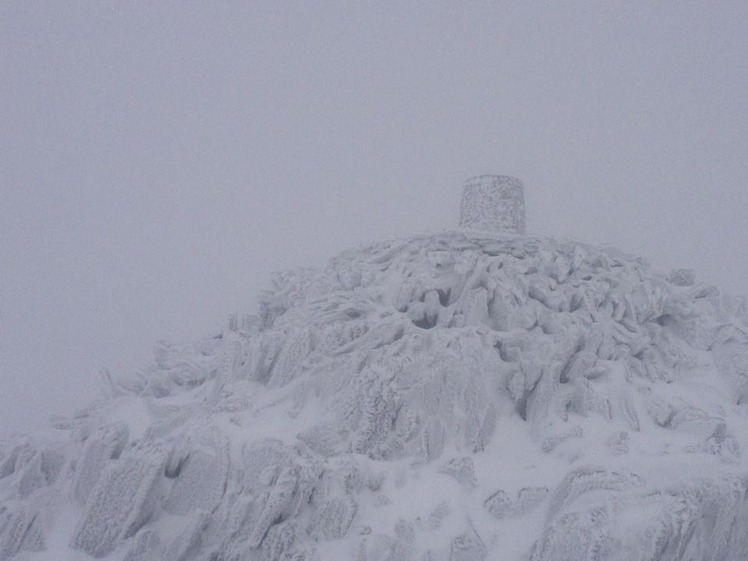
{"type": "Point", "coordinates": [443, 398]}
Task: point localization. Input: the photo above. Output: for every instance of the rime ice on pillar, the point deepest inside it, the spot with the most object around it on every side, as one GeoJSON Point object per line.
{"type": "Point", "coordinates": [494, 203]}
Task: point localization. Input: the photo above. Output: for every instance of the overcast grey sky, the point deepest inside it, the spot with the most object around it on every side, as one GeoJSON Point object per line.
{"type": "Point", "coordinates": [159, 159]}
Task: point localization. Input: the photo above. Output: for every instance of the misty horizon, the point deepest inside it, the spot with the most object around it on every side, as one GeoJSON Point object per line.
{"type": "Point", "coordinates": [159, 162]}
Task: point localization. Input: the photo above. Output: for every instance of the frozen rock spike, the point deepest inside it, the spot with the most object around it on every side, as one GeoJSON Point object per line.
{"type": "Point", "coordinates": [201, 481]}
{"type": "Point", "coordinates": [20, 530]}
{"type": "Point", "coordinates": [121, 503]}
{"type": "Point", "coordinates": [103, 446]}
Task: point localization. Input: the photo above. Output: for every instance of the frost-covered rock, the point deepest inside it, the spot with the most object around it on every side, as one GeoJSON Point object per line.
{"type": "Point", "coordinates": [468, 547]}
{"type": "Point", "coordinates": [20, 530]}
{"type": "Point", "coordinates": [417, 399]}
{"type": "Point", "coordinates": [595, 515]}
{"type": "Point", "coordinates": [146, 545]}
{"type": "Point", "coordinates": [462, 470]}
{"type": "Point", "coordinates": [501, 506]}
{"type": "Point", "coordinates": [200, 474]}
{"type": "Point", "coordinates": [102, 447]}
{"type": "Point", "coordinates": [123, 501]}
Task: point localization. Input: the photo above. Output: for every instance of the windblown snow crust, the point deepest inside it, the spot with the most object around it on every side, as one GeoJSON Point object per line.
{"type": "Point", "coordinates": [434, 399]}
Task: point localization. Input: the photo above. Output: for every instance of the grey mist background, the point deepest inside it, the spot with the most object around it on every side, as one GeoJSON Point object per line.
{"type": "Point", "coordinates": [159, 159]}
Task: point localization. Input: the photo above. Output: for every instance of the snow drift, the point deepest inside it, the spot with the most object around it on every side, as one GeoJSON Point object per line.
{"type": "Point", "coordinates": [440, 398]}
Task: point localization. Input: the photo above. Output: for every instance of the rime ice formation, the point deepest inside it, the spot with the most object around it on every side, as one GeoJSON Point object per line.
{"type": "Point", "coordinates": [440, 398]}
{"type": "Point", "coordinates": [493, 203]}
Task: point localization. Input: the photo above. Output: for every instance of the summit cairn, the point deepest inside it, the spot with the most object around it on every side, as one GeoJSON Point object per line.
{"type": "Point", "coordinates": [494, 203]}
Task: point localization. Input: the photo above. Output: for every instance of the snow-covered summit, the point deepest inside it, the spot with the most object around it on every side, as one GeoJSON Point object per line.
{"type": "Point", "coordinates": [438, 398]}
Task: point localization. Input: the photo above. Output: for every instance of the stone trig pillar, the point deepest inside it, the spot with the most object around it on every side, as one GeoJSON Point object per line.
{"type": "Point", "coordinates": [494, 203]}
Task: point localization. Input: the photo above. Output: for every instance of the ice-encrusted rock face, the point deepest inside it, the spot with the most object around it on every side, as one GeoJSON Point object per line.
{"type": "Point", "coordinates": [440, 398]}
{"type": "Point", "coordinates": [494, 203]}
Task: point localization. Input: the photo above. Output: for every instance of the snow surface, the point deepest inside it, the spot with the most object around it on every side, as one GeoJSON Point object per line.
{"type": "Point", "coordinates": [439, 398]}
